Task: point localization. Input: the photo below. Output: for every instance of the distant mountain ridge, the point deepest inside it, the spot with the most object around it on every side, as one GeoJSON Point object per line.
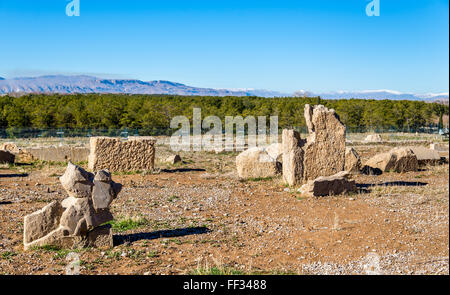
{"type": "Point", "coordinates": [87, 84]}
{"type": "Point", "coordinates": [379, 94]}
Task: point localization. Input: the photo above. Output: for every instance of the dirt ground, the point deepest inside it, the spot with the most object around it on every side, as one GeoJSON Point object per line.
{"type": "Point", "coordinates": [196, 217]}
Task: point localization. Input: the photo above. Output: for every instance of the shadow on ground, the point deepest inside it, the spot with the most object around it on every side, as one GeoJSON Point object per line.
{"type": "Point", "coordinates": [364, 187]}
{"type": "Point", "coordinates": [13, 175]}
{"type": "Point", "coordinates": [130, 238]}
{"type": "Point", "coordinates": [183, 170]}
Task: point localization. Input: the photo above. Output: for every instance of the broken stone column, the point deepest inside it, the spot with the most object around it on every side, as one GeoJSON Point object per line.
{"type": "Point", "coordinates": [292, 157]}
{"type": "Point", "coordinates": [325, 145]}
{"type": "Point", "coordinates": [79, 220]}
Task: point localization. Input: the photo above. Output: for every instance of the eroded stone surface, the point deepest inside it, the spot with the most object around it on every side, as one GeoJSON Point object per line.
{"type": "Point", "coordinates": [77, 182]}
{"type": "Point", "coordinates": [42, 222]}
{"type": "Point", "coordinates": [275, 151]}
{"type": "Point", "coordinates": [352, 160]}
{"type": "Point", "coordinates": [78, 220]}
{"type": "Point", "coordinates": [137, 153]}
{"type": "Point", "coordinates": [256, 163]}
{"type": "Point", "coordinates": [329, 185]}
{"type": "Point", "coordinates": [325, 145]}
{"type": "Point", "coordinates": [292, 157]}
{"type": "Point", "coordinates": [396, 160]}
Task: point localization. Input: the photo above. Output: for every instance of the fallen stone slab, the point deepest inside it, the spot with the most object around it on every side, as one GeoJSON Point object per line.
{"type": "Point", "coordinates": [329, 185]}
{"type": "Point", "coordinates": [426, 156]}
{"type": "Point", "coordinates": [42, 222]}
{"type": "Point", "coordinates": [256, 163]}
{"type": "Point", "coordinates": [406, 160]}
{"type": "Point", "coordinates": [396, 160]}
{"type": "Point", "coordinates": [58, 153]}
{"type": "Point", "coordinates": [438, 147]}
{"type": "Point", "coordinates": [6, 157]}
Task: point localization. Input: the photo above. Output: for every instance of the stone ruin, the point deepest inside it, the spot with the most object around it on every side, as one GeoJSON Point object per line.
{"type": "Point", "coordinates": [322, 153]}
{"type": "Point", "coordinates": [79, 220]}
{"type": "Point", "coordinates": [318, 161]}
{"type": "Point", "coordinates": [137, 153]}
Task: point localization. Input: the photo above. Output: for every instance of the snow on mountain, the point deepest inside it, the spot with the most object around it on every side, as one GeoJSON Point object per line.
{"type": "Point", "coordinates": [376, 94]}
{"type": "Point", "coordinates": [88, 84]}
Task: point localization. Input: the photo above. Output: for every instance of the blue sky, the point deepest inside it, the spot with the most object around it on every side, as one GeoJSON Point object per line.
{"type": "Point", "coordinates": [320, 45]}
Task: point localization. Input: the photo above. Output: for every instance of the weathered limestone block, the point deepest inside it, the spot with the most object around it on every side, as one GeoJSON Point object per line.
{"type": "Point", "coordinates": [384, 161]}
{"type": "Point", "coordinates": [438, 147]}
{"type": "Point", "coordinates": [6, 157]}
{"type": "Point", "coordinates": [77, 182]}
{"type": "Point", "coordinates": [373, 138]}
{"type": "Point", "coordinates": [329, 185]}
{"type": "Point", "coordinates": [426, 156]}
{"type": "Point", "coordinates": [10, 147]}
{"type": "Point", "coordinates": [325, 145]}
{"type": "Point", "coordinates": [105, 190]}
{"type": "Point", "coordinates": [293, 156]}
{"type": "Point", "coordinates": [42, 222]}
{"type": "Point", "coordinates": [173, 159]}
{"type": "Point", "coordinates": [137, 153]}
{"type": "Point", "coordinates": [406, 160]}
{"type": "Point", "coordinates": [59, 153]}
{"type": "Point", "coordinates": [275, 151]}
{"type": "Point", "coordinates": [352, 161]}
{"type": "Point", "coordinates": [396, 160]}
{"type": "Point", "coordinates": [256, 163]}
{"type": "Point", "coordinates": [78, 220]}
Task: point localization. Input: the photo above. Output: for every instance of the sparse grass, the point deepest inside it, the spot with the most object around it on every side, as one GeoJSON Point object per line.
{"type": "Point", "coordinates": [216, 271]}
{"type": "Point", "coordinates": [60, 253]}
{"type": "Point", "coordinates": [257, 179]}
{"type": "Point", "coordinates": [8, 255]}
{"type": "Point", "coordinates": [128, 223]}
{"type": "Point", "coordinates": [133, 172]}
{"type": "Point", "coordinates": [173, 198]}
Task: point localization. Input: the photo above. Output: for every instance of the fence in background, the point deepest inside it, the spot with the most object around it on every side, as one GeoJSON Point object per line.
{"type": "Point", "coordinates": [126, 132]}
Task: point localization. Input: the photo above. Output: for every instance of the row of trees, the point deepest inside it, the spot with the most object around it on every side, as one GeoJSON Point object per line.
{"type": "Point", "coordinates": [152, 112]}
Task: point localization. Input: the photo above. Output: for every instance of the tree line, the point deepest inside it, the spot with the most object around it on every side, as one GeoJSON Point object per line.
{"type": "Point", "coordinates": [154, 112]}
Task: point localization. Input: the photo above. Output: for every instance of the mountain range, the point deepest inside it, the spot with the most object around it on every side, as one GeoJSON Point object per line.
{"type": "Point", "coordinates": [87, 84]}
